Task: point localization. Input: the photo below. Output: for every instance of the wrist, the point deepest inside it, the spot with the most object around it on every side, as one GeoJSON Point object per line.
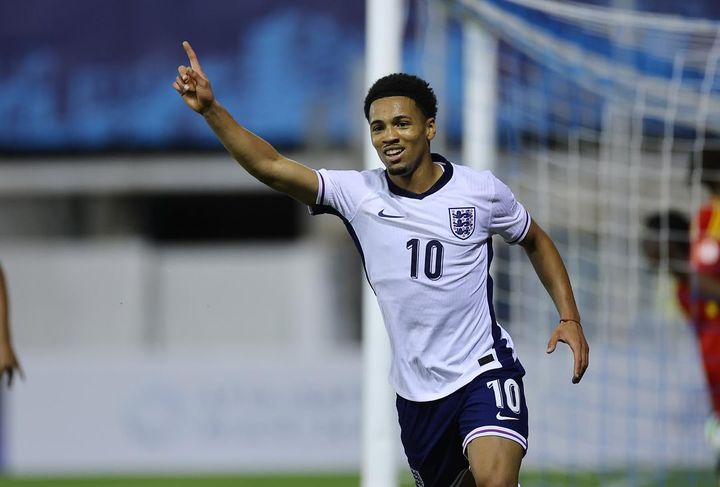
{"type": "Point", "coordinates": [211, 109]}
{"type": "Point", "coordinates": [570, 320]}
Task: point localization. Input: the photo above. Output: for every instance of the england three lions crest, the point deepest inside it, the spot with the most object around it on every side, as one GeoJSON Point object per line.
{"type": "Point", "coordinates": [462, 221]}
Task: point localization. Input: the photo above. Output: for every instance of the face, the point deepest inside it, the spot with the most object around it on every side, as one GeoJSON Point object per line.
{"type": "Point", "coordinates": [400, 133]}
{"type": "Point", "coordinates": [657, 250]}
{"type": "Point", "coordinates": [652, 248]}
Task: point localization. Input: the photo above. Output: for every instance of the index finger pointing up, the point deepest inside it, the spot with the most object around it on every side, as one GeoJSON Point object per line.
{"type": "Point", "coordinates": [194, 63]}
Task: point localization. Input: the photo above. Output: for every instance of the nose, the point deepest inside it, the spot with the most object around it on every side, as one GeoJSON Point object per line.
{"type": "Point", "coordinates": [389, 135]}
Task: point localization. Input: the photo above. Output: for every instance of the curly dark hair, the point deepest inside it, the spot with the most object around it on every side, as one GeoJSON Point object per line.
{"type": "Point", "coordinates": [674, 222]}
{"type": "Point", "coordinates": [667, 234]}
{"type": "Point", "coordinates": [402, 84]}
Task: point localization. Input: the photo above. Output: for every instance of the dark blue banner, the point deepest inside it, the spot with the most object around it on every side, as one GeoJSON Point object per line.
{"type": "Point", "coordinates": [96, 75]}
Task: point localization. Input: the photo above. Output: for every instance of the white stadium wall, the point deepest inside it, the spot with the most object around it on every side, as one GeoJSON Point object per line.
{"type": "Point", "coordinates": [243, 372]}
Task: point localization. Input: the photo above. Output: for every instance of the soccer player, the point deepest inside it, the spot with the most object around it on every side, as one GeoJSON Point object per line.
{"type": "Point", "coordinates": [8, 361]}
{"type": "Point", "coordinates": [705, 283]}
{"type": "Point", "coordinates": [697, 288]}
{"type": "Point", "coordinates": [423, 227]}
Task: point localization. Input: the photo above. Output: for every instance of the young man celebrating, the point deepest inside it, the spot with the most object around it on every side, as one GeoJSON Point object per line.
{"type": "Point", "coordinates": [423, 227]}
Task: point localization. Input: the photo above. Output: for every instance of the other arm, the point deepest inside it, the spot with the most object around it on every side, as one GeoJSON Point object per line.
{"type": "Point", "coordinates": [8, 361]}
{"type": "Point", "coordinates": [550, 268]}
{"type": "Point", "coordinates": [254, 154]}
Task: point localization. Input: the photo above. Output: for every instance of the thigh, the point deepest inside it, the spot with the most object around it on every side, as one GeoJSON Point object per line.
{"type": "Point", "coordinates": [430, 437]}
{"type": "Point", "coordinates": [495, 460]}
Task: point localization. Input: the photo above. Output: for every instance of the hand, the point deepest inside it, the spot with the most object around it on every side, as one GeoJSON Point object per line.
{"type": "Point", "coordinates": [571, 333]}
{"type": "Point", "coordinates": [9, 363]}
{"type": "Point", "coordinates": [192, 84]}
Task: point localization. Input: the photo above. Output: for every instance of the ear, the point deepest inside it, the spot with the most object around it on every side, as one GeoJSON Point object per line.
{"type": "Point", "coordinates": [430, 128]}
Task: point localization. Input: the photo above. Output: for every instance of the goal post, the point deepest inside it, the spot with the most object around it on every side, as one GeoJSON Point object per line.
{"type": "Point", "coordinates": [383, 55]}
{"type": "Point", "coordinates": [479, 72]}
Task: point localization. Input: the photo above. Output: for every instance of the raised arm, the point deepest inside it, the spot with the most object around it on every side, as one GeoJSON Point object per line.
{"type": "Point", "coordinates": [254, 154]}
{"type": "Point", "coordinates": [8, 361]}
{"type": "Point", "coordinates": [549, 267]}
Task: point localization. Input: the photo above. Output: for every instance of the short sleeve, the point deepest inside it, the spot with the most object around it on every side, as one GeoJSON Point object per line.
{"type": "Point", "coordinates": [508, 218]}
{"type": "Point", "coordinates": [339, 192]}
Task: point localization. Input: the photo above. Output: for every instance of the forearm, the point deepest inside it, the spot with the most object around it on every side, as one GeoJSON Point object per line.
{"type": "Point", "coordinates": [550, 268]}
{"type": "Point", "coordinates": [260, 159]}
{"type": "Point", "coordinates": [256, 156]}
{"type": "Point", "coordinates": [253, 153]}
{"type": "Point", "coordinates": [4, 311]}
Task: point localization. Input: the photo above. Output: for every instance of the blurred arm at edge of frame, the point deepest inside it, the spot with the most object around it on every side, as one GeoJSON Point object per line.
{"type": "Point", "coordinates": [8, 361]}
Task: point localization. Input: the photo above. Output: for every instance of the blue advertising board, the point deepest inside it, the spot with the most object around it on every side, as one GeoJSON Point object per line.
{"type": "Point", "coordinates": [96, 75]}
{"type": "Point", "coordinates": [89, 75]}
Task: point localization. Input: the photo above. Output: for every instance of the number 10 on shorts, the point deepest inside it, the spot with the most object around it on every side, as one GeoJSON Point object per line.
{"type": "Point", "coordinates": [512, 394]}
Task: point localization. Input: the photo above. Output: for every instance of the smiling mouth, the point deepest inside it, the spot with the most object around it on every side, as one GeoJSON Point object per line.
{"type": "Point", "coordinates": [393, 153]}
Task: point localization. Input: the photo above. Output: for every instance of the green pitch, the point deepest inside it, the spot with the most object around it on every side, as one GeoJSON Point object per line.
{"type": "Point", "coordinates": [184, 481]}
{"type": "Point", "coordinates": [676, 478]}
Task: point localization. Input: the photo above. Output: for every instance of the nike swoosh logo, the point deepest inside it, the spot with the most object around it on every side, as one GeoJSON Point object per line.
{"type": "Point", "coordinates": [382, 214]}
{"type": "Point", "coordinates": [505, 418]}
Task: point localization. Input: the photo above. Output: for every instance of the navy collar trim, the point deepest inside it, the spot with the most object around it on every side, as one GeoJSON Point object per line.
{"type": "Point", "coordinates": [444, 179]}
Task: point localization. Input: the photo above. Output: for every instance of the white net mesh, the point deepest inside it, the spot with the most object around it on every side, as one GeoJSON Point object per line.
{"type": "Point", "coordinates": [600, 110]}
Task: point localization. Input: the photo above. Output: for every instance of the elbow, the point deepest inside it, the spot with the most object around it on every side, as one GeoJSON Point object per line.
{"type": "Point", "coordinates": [267, 172]}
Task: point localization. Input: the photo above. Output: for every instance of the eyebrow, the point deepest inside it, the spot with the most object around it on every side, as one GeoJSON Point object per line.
{"type": "Point", "coordinates": [395, 119]}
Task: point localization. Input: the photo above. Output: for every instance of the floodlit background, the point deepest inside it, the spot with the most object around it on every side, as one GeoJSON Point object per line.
{"type": "Point", "coordinates": [172, 315]}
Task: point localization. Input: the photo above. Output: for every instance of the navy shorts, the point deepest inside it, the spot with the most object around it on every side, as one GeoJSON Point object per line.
{"type": "Point", "coordinates": [435, 434]}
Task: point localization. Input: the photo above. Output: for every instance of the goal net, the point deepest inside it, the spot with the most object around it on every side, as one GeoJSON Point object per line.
{"type": "Point", "coordinates": [598, 112]}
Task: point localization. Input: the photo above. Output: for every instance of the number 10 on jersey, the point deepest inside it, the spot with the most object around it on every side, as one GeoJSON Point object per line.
{"type": "Point", "coordinates": [433, 256]}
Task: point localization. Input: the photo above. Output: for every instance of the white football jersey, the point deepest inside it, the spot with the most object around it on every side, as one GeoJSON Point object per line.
{"type": "Point", "coordinates": [427, 257]}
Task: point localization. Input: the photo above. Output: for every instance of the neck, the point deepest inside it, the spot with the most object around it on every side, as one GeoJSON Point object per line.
{"type": "Point", "coordinates": [422, 178]}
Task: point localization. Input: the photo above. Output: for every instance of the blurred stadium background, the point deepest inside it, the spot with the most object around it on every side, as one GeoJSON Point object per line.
{"type": "Point", "coordinates": [176, 319]}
